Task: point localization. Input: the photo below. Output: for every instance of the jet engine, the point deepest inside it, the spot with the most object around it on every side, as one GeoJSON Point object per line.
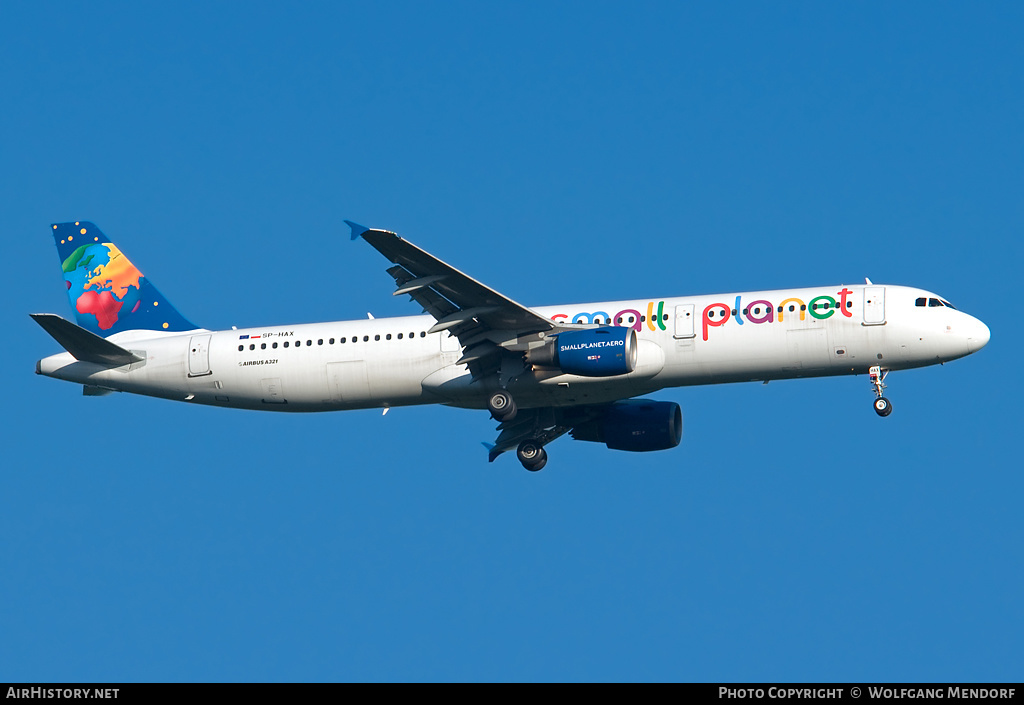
{"type": "Point", "coordinates": [599, 352]}
{"type": "Point", "coordinates": [637, 425]}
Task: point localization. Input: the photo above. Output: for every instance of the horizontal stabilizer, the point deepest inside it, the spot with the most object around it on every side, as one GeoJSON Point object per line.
{"type": "Point", "coordinates": [83, 345]}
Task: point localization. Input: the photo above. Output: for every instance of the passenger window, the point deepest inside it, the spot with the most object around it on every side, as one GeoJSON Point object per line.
{"type": "Point", "coordinates": [399, 336]}
{"type": "Point", "coordinates": [298, 343]}
{"type": "Point", "coordinates": [309, 342]}
{"type": "Point", "coordinates": [241, 348]}
{"type": "Point", "coordinates": [286, 343]}
{"type": "Point", "coordinates": [342, 340]}
{"type": "Point", "coordinates": [331, 341]}
{"type": "Point", "coordinates": [423, 334]}
{"type": "Point", "coordinates": [366, 338]}
{"type": "Point", "coordinates": [263, 346]}
{"type": "Point", "coordinates": [320, 342]}
{"type": "Point", "coordinates": [792, 308]}
{"type": "Point", "coordinates": [803, 307]}
{"type": "Point", "coordinates": [274, 345]}
{"type": "Point", "coordinates": [388, 336]}
{"type": "Point", "coordinates": [376, 337]}
{"type": "Point", "coordinates": [252, 346]}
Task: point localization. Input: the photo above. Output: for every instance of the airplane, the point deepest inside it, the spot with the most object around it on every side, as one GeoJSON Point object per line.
{"type": "Point", "coordinates": [541, 372]}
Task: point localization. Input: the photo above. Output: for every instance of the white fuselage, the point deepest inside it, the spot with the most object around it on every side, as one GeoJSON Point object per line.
{"type": "Point", "coordinates": [682, 341]}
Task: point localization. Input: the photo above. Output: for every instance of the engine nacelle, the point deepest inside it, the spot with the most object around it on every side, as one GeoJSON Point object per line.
{"type": "Point", "coordinates": [637, 425]}
{"type": "Point", "coordinates": [599, 352]}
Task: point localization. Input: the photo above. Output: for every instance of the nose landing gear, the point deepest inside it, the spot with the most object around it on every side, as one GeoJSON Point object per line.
{"type": "Point", "coordinates": [883, 407]}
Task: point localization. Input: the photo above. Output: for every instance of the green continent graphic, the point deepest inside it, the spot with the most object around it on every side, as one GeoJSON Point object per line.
{"type": "Point", "coordinates": [72, 262]}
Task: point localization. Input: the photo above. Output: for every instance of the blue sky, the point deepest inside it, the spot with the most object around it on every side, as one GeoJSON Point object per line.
{"type": "Point", "coordinates": [559, 152]}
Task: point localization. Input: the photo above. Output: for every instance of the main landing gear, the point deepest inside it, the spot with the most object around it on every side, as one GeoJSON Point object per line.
{"type": "Point", "coordinates": [532, 455]}
{"type": "Point", "coordinates": [502, 406]}
{"type": "Point", "coordinates": [883, 407]}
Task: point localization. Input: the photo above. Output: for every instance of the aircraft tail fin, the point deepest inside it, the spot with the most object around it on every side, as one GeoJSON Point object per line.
{"type": "Point", "coordinates": [83, 345]}
{"type": "Point", "coordinates": [107, 292]}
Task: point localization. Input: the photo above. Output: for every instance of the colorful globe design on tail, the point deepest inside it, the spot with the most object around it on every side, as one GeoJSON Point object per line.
{"type": "Point", "coordinates": [107, 292]}
{"type": "Point", "coordinates": [102, 282]}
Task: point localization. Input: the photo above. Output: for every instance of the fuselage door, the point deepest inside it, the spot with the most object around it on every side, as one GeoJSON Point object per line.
{"type": "Point", "coordinates": [199, 356]}
{"type": "Point", "coordinates": [874, 305]}
{"type": "Point", "coordinates": [684, 321]}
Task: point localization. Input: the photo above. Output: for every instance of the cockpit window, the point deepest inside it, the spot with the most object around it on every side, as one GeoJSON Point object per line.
{"type": "Point", "coordinates": [921, 301]}
{"type": "Point", "coordinates": [934, 302]}
{"type": "Point", "coordinates": [946, 303]}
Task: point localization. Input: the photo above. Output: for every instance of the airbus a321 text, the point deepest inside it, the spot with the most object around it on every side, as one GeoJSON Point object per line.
{"type": "Point", "coordinates": [541, 372]}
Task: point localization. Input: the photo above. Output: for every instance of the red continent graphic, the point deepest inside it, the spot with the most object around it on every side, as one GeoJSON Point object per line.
{"type": "Point", "coordinates": [103, 305]}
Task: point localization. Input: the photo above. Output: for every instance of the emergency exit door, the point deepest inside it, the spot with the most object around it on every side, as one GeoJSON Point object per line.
{"type": "Point", "coordinates": [684, 321]}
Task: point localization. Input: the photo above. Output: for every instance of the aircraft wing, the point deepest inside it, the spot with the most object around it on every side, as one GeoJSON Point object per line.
{"type": "Point", "coordinates": [487, 324]}
{"type": "Point", "coordinates": [543, 424]}
{"type": "Point", "coordinates": [445, 291]}
{"type": "Point", "coordinates": [529, 424]}
{"type": "Point", "coordinates": [480, 317]}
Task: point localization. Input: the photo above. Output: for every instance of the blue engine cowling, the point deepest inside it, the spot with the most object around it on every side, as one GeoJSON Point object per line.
{"type": "Point", "coordinates": [600, 352]}
{"type": "Point", "coordinates": [637, 425]}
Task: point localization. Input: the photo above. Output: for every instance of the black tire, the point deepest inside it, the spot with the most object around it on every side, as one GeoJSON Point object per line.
{"type": "Point", "coordinates": [502, 406]}
{"type": "Point", "coordinates": [883, 407]}
{"type": "Point", "coordinates": [541, 462]}
{"type": "Point", "coordinates": [532, 455]}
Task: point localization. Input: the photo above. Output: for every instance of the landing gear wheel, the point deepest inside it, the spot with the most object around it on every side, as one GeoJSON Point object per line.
{"type": "Point", "coordinates": [877, 377]}
{"type": "Point", "coordinates": [502, 406]}
{"type": "Point", "coordinates": [532, 455]}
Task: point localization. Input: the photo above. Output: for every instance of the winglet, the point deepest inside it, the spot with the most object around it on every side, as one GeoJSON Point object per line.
{"type": "Point", "coordinates": [357, 229]}
{"type": "Point", "coordinates": [492, 454]}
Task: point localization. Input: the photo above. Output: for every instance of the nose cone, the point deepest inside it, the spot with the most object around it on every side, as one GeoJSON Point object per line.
{"type": "Point", "coordinates": [977, 335]}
